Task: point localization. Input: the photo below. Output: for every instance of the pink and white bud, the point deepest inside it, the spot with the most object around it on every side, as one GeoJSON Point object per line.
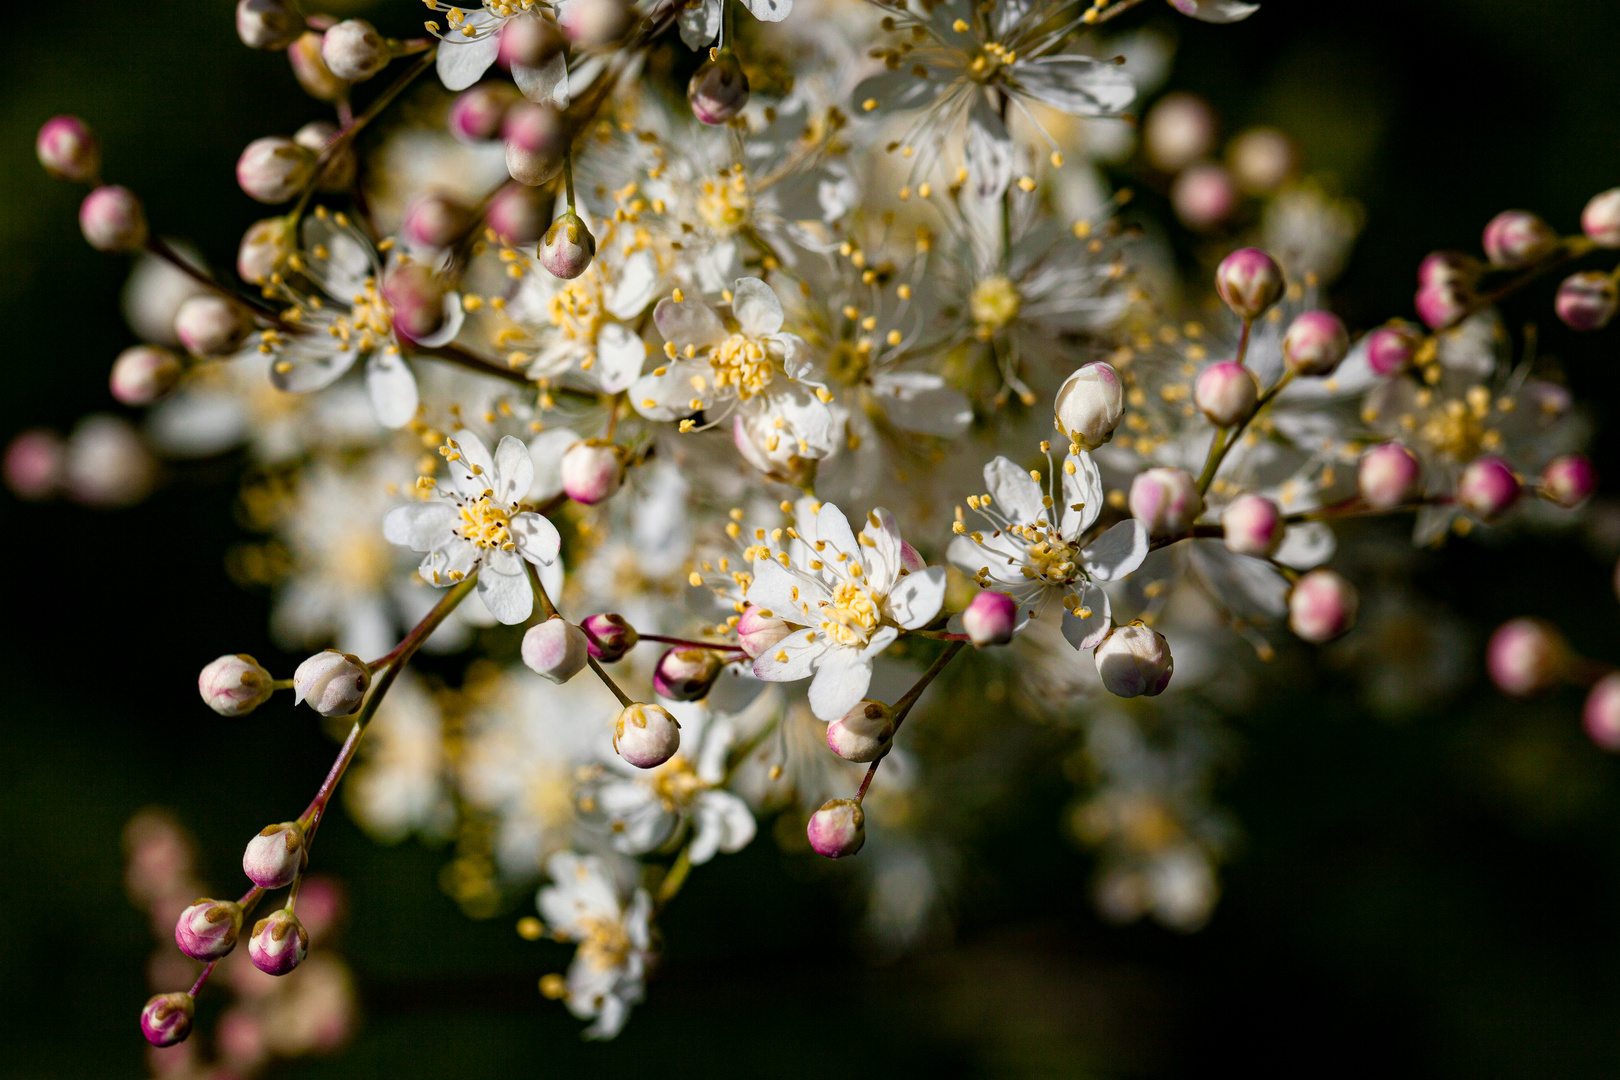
{"type": "Point", "coordinates": [1517, 238]}
{"type": "Point", "coordinates": [1601, 714]}
{"type": "Point", "coordinates": [35, 463]}
{"type": "Point", "coordinates": [1165, 501]}
{"type": "Point", "coordinates": [234, 685]}
{"type": "Point", "coordinates": [355, 51]}
{"type": "Point", "coordinates": [538, 130]}
{"type": "Point", "coordinates": [275, 856]}
{"type": "Point", "coordinates": [207, 929]}
{"type": "Point", "coordinates": [107, 464]}
{"type": "Point", "coordinates": [531, 167]}
{"type": "Point", "coordinates": [518, 214]}
{"type": "Point", "coordinates": [646, 735]}
{"type": "Point", "coordinates": [1134, 661]}
{"type": "Point", "coordinates": [863, 733]}
{"type": "Point", "coordinates": [166, 1019]}
{"type": "Point", "coordinates": [1390, 348]}
{"type": "Point", "coordinates": [592, 470]}
{"type": "Point", "coordinates": [478, 113]}
{"type": "Point", "coordinates": [1089, 404]}
{"type": "Point", "coordinates": [593, 23]}
{"type": "Point", "coordinates": [339, 171]}
{"type": "Point", "coordinates": [1315, 344]}
{"type": "Point", "coordinates": [1442, 304]}
{"type": "Point", "coordinates": [1526, 656]}
{"type": "Point", "coordinates": [555, 650]}
{"type": "Point", "coordinates": [758, 631]}
{"type": "Point", "coordinates": [436, 221]}
{"type": "Point", "coordinates": [1204, 197]}
{"type": "Point", "coordinates": [265, 246]}
{"type": "Point", "coordinates": [1179, 129]}
{"type": "Point", "coordinates": [279, 943]}
{"type": "Point", "coordinates": [311, 71]}
{"type": "Point", "coordinates": [1586, 301]}
{"type": "Point", "coordinates": [838, 829]}
{"type": "Point", "coordinates": [144, 374]}
{"type": "Point", "coordinates": [990, 618]}
{"type": "Point", "coordinates": [210, 325]}
{"type": "Point", "coordinates": [333, 683]}
{"type": "Point", "coordinates": [416, 296]}
{"type": "Point", "coordinates": [113, 220]}
{"type": "Point", "coordinates": [1262, 159]}
{"type": "Point", "coordinates": [268, 24]}
{"type": "Point", "coordinates": [608, 636]}
{"type": "Point", "coordinates": [273, 169]}
{"type": "Point", "coordinates": [1322, 606]}
{"type": "Point", "coordinates": [1449, 268]}
{"type": "Point", "coordinates": [1569, 479]}
{"type": "Point", "coordinates": [568, 247]}
{"type": "Point", "coordinates": [529, 41]}
{"type": "Point", "coordinates": [684, 674]}
{"type": "Point", "coordinates": [1387, 475]}
{"type": "Point", "coordinates": [1226, 393]}
{"type": "Point", "coordinates": [1488, 487]}
{"type": "Point", "coordinates": [1249, 282]}
{"type": "Point", "coordinates": [1253, 525]}
{"type": "Point", "coordinates": [1600, 221]}
{"type": "Point", "coordinates": [718, 90]}
{"type": "Point", "coordinates": [68, 149]}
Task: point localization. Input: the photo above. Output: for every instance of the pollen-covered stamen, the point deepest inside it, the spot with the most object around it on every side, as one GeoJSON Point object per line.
{"type": "Point", "coordinates": [576, 308]}
{"type": "Point", "coordinates": [485, 524]}
{"type": "Point", "coordinates": [744, 363]}
{"type": "Point", "coordinates": [677, 783]}
{"type": "Point", "coordinates": [724, 204]}
{"type": "Point", "coordinates": [369, 322]}
{"type": "Point", "coordinates": [851, 617]}
{"type": "Point", "coordinates": [604, 944]}
{"type": "Point", "coordinates": [994, 303]}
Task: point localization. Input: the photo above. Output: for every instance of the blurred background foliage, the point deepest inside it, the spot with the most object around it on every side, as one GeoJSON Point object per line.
{"type": "Point", "coordinates": [1436, 896]}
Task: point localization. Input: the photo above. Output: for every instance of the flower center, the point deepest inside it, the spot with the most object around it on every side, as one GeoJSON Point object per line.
{"type": "Point", "coordinates": [984, 67]}
{"type": "Point", "coordinates": [742, 362]}
{"type": "Point", "coordinates": [370, 320]}
{"type": "Point", "coordinates": [851, 616]}
{"type": "Point", "coordinates": [994, 302]}
{"type": "Point", "coordinates": [576, 308]}
{"type": "Point", "coordinates": [360, 563]}
{"type": "Point", "coordinates": [724, 204]}
{"type": "Point", "coordinates": [604, 944]}
{"type": "Point", "coordinates": [484, 524]}
{"type": "Point", "coordinates": [676, 783]}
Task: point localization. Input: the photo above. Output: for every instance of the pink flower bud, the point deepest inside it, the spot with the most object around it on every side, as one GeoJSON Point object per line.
{"type": "Point", "coordinates": [517, 214]}
{"type": "Point", "coordinates": [1387, 475]}
{"type": "Point", "coordinates": [1249, 282]}
{"type": "Point", "coordinates": [529, 41]}
{"type": "Point", "coordinates": [207, 929]}
{"type": "Point", "coordinates": [592, 471]}
{"type": "Point", "coordinates": [1204, 196]}
{"type": "Point", "coordinates": [273, 169]}
{"type": "Point", "coordinates": [234, 685]}
{"type": "Point", "coordinates": [339, 171]}
{"type": "Point", "coordinates": [538, 129]}
{"type": "Point", "coordinates": [416, 295]}
{"type": "Point", "coordinates": [1441, 305]}
{"type": "Point", "coordinates": [608, 637]}
{"type": "Point", "coordinates": [1569, 479]}
{"type": "Point", "coordinates": [279, 943]}
{"type": "Point", "coordinates": [531, 167]}
{"type": "Point", "coordinates": [333, 683]}
{"type": "Point", "coordinates": [1526, 656]}
{"type": "Point", "coordinates": [718, 90]}
{"type": "Point", "coordinates": [354, 51]}
{"type": "Point", "coordinates": [68, 149]}
{"type": "Point", "coordinates": [1448, 268]}
{"type": "Point", "coordinates": [1226, 392]}
{"type": "Point", "coordinates": [112, 220]}
{"type": "Point", "coordinates": [593, 23]}
{"type": "Point", "coordinates": [1601, 715]}
{"type": "Point", "coordinates": [107, 464]}
{"type": "Point", "coordinates": [1600, 221]}
{"type": "Point", "coordinates": [35, 462]}
{"type": "Point", "coordinates": [1321, 607]}
{"type": "Point", "coordinates": [1586, 301]}
{"type": "Point", "coordinates": [210, 325]}
{"type": "Point", "coordinates": [758, 630]}
{"type": "Point", "coordinates": [1488, 487]}
{"type": "Point", "coordinates": [478, 113]}
{"type": "Point", "coordinates": [436, 221]}
{"type": "Point", "coordinates": [838, 829]}
{"type": "Point", "coordinates": [265, 246]}
{"type": "Point", "coordinates": [1165, 501]}
{"type": "Point", "coordinates": [1516, 238]}
{"type": "Point", "coordinates": [1253, 525]}
{"type": "Point", "coordinates": [555, 649]}
{"type": "Point", "coordinates": [646, 735]}
{"type": "Point", "coordinates": [1390, 348]}
{"type": "Point", "coordinates": [166, 1019]}
{"type": "Point", "coordinates": [268, 24]}
{"type": "Point", "coordinates": [1089, 404]}
{"type": "Point", "coordinates": [1134, 660]}
{"type": "Point", "coordinates": [275, 856]}
{"type": "Point", "coordinates": [143, 374]}
{"type": "Point", "coordinates": [311, 71]}
{"type": "Point", "coordinates": [1262, 159]}
{"type": "Point", "coordinates": [990, 618]}
{"type": "Point", "coordinates": [684, 674]}
{"type": "Point", "coordinates": [1179, 129]}
{"type": "Point", "coordinates": [863, 733]}
{"type": "Point", "coordinates": [1315, 343]}
{"type": "Point", "coordinates": [568, 247]}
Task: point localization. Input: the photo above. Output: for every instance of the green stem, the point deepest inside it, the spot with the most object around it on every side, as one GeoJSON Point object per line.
{"type": "Point", "coordinates": [1226, 438]}
{"type": "Point", "coordinates": [903, 707]}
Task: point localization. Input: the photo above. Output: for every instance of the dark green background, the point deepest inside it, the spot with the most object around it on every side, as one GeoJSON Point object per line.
{"type": "Point", "coordinates": [1439, 897]}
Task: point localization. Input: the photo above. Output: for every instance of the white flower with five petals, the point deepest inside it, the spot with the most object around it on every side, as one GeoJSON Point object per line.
{"type": "Point", "coordinates": [608, 976]}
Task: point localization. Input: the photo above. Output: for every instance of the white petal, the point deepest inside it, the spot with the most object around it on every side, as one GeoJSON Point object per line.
{"type": "Point", "coordinates": [882, 543]}
{"type": "Point", "coordinates": [619, 357]}
{"type": "Point", "coordinates": [545, 451]}
{"type": "Point", "coordinates": [1117, 552]}
{"type": "Point", "coordinates": [503, 586]}
{"type": "Point", "coordinates": [455, 316]}
{"type": "Point", "coordinates": [894, 90]}
{"type": "Point", "coordinates": [920, 401]}
{"type": "Point", "coordinates": [536, 537]}
{"type": "Point", "coordinates": [793, 658]}
{"type": "Point", "coordinates": [1306, 546]}
{"type": "Point", "coordinates": [700, 25]}
{"type": "Point", "coordinates": [832, 528]}
{"type": "Point", "coordinates": [634, 288]}
{"type": "Point", "coordinates": [768, 10]}
{"type": "Point", "coordinates": [1088, 632]}
{"type": "Point", "coordinates": [756, 308]}
{"type": "Point", "coordinates": [464, 63]}
{"type": "Point", "coordinates": [308, 364]}
{"type": "Point", "coordinates": [841, 681]}
{"type": "Point", "coordinates": [1083, 489]}
{"type": "Point", "coordinates": [690, 322]}
{"type": "Point", "coordinates": [784, 594]}
{"type": "Point", "coordinates": [514, 470]}
{"type": "Point", "coordinates": [721, 822]}
{"type": "Point", "coordinates": [392, 388]}
{"type": "Point", "coordinates": [470, 472]}
{"type": "Point", "coordinates": [546, 84]}
{"type": "Point", "coordinates": [419, 526]}
{"type": "Point", "coordinates": [988, 151]}
{"type": "Point", "coordinates": [1215, 11]}
{"type": "Point", "coordinates": [1077, 85]}
{"type": "Point", "coordinates": [917, 598]}
{"type": "Point", "coordinates": [1013, 491]}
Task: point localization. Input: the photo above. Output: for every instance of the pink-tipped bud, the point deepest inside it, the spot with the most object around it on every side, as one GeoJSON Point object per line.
{"type": "Point", "coordinates": [592, 470]}
{"type": "Point", "coordinates": [210, 325]}
{"type": "Point", "coordinates": [1322, 606]}
{"type": "Point", "coordinates": [1526, 656]}
{"type": "Point", "coordinates": [113, 220]}
{"type": "Point", "coordinates": [1601, 715]}
{"type": "Point", "coordinates": [1448, 268]}
{"type": "Point", "coordinates": [339, 171]}
{"type": "Point", "coordinates": [268, 24]}
{"type": "Point", "coordinates": [568, 247]}
{"type": "Point", "coordinates": [1315, 344]}
{"type": "Point", "coordinates": [478, 113]}
{"type": "Point", "coordinates": [1387, 475]}
{"type": "Point", "coordinates": [435, 221]}
{"type": "Point", "coordinates": [1600, 221]}
{"type": "Point", "coordinates": [34, 464]}
{"type": "Point", "coordinates": [593, 23]}
{"type": "Point", "coordinates": [1249, 282]}
{"type": "Point", "coordinates": [646, 735]}
{"type": "Point", "coordinates": [759, 630]}
{"type": "Point", "coordinates": [234, 685]}
{"type": "Point", "coordinates": [207, 929]}
{"type": "Point", "coordinates": [311, 71]}
{"type": "Point", "coordinates": [1441, 305]}
{"type": "Point", "coordinates": [1089, 404]}
{"type": "Point", "coordinates": [838, 829]}
{"type": "Point", "coordinates": [166, 1019]}
{"type": "Point", "coordinates": [1134, 661]}
{"type": "Point", "coordinates": [1390, 348]}
{"type": "Point", "coordinates": [333, 683]}
{"type": "Point", "coordinates": [1517, 238]}
{"type": "Point", "coordinates": [1569, 479]}
{"type": "Point", "coordinates": [1179, 129]}
{"type": "Point", "coordinates": [684, 674]}
{"type": "Point", "coordinates": [107, 464]}
{"type": "Point", "coordinates": [537, 129]}
{"type": "Point", "coordinates": [990, 618]}
{"type": "Point", "coordinates": [1165, 501]}
{"type": "Point", "coordinates": [517, 214]}
{"type": "Point", "coordinates": [416, 294]}
{"type": "Point", "coordinates": [555, 650]}
{"type": "Point", "coordinates": [529, 41]}
{"type": "Point", "coordinates": [275, 856]}
{"type": "Point", "coordinates": [273, 169]}
{"type": "Point", "coordinates": [68, 149]}
{"type": "Point", "coordinates": [1226, 393]}
{"type": "Point", "coordinates": [279, 943]}
{"type": "Point", "coordinates": [1262, 159]}
{"type": "Point", "coordinates": [144, 374]}
{"type": "Point", "coordinates": [1253, 525]}
{"type": "Point", "coordinates": [718, 90]}
{"type": "Point", "coordinates": [355, 51]}
{"type": "Point", "coordinates": [863, 733]}
{"type": "Point", "coordinates": [265, 246]}
{"type": "Point", "coordinates": [1204, 197]}
{"type": "Point", "coordinates": [608, 636]}
{"type": "Point", "coordinates": [1488, 487]}
{"type": "Point", "coordinates": [1586, 301]}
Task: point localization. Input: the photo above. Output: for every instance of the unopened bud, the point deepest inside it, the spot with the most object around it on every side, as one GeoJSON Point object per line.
{"type": "Point", "coordinates": [1204, 196]}
{"type": "Point", "coordinates": [435, 221]}
{"type": "Point", "coordinates": [34, 464]}
{"type": "Point", "coordinates": [1449, 268]}
{"type": "Point", "coordinates": [1517, 238]}
{"type": "Point", "coordinates": [686, 674]}
{"type": "Point", "coordinates": [279, 943]}
{"type": "Point", "coordinates": [234, 685]}
{"type": "Point", "coordinates": [268, 24]}
{"type": "Point", "coordinates": [113, 220]}
{"type": "Point", "coordinates": [354, 51]}
{"type": "Point", "coordinates": [529, 41]}
{"type": "Point", "coordinates": [1253, 525]}
{"type": "Point", "coordinates": [1179, 129]}
{"type": "Point", "coordinates": [646, 735]}
{"type": "Point", "coordinates": [107, 464]}
{"type": "Point", "coordinates": [608, 636]}
{"type": "Point", "coordinates": [1526, 656]}
{"type": "Point", "coordinates": [1569, 479]}
{"type": "Point", "coordinates": [68, 149]}
{"type": "Point", "coordinates": [264, 247]}
{"type": "Point", "coordinates": [989, 618]}
{"type": "Point", "coordinates": [1488, 487]}
{"type": "Point", "coordinates": [1249, 282]}
{"type": "Point", "coordinates": [207, 929]}
{"type": "Point", "coordinates": [1315, 344]}
{"type": "Point", "coordinates": [555, 650]}
{"type": "Point", "coordinates": [273, 169]}
{"type": "Point", "coordinates": [1134, 660]}
{"type": "Point", "coordinates": [1586, 301]}
{"type": "Point", "coordinates": [478, 113]}
{"type": "Point", "coordinates": [166, 1019]}
{"type": "Point", "coordinates": [1226, 393]}
{"type": "Point", "coordinates": [594, 23]}
{"type": "Point", "coordinates": [1089, 404]}
{"type": "Point", "coordinates": [718, 90]}
{"type": "Point", "coordinates": [838, 829]}
{"type": "Point", "coordinates": [143, 374]}
{"type": "Point", "coordinates": [759, 630]}
{"type": "Point", "coordinates": [1321, 606]}
{"type": "Point", "coordinates": [1390, 348]}
{"type": "Point", "coordinates": [568, 247]}
{"type": "Point", "coordinates": [311, 71]}
{"type": "Point", "coordinates": [592, 470]}
{"type": "Point", "coordinates": [1601, 715]}
{"type": "Point", "coordinates": [536, 143]}
{"type": "Point", "coordinates": [416, 295]}
{"type": "Point", "coordinates": [1441, 304]}
{"type": "Point", "coordinates": [339, 171]}
{"type": "Point", "coordinates": [333, 683]}
{"type": "Point", "coordinates": [210, 325]}
{"type": "Point", "coordinates": [1165, 501]}
{"type": "Point", "coordinates": [1600, 221]}
{"type": "Point", "coordinates": [1262, 160]}
{"type": "Point", "coordinates": [275, 856]}
{"type": "Point", "coordinates": [863, 733]}
{"type": "Point", "coordinates": [1387, 475]}
{"type": "Point", "coordinates": [517, 214]}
